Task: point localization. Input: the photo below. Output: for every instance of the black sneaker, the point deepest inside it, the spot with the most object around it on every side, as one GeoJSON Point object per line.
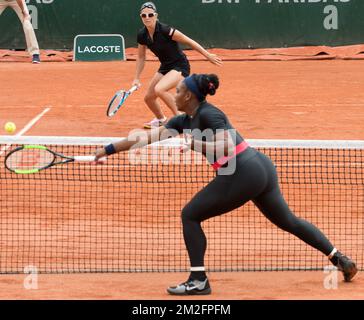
{"type": "Point", "coordinates": [36, 58]}
{"type": "Point", "coordinates": [191, 287]}
{"type": "Point", "coordinates": [345, 265]}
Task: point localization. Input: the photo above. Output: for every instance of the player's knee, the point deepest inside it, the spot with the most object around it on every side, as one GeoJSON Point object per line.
{"type": "Point", "coordinates": [159, 91]}
{"type": "Point", "coordinates": [27, 25]}
{"type": "Point", "coordinates": [149, 98]}
{"type": "Point", "coordinates": [187, 214]}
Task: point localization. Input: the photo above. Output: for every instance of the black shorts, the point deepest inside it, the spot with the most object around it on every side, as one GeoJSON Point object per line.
{"type": "Point", "coordinates": [183, 67]}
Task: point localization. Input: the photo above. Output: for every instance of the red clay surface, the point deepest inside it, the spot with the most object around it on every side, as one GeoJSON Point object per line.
{"type": "Point", "coordinates": [269, 100]}
{"type": "Point", "coordinates": [226, 286]}
{"type": "Point", "coordinates": [294, 100]}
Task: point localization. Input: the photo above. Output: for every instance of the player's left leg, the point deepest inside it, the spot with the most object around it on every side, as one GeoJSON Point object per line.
{"type": "Point", "coordinates": [272, 204]}
{"type": "Point", "coordinates": [168, 82]}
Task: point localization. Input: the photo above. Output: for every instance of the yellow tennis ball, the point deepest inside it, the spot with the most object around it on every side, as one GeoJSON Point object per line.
{"type": "Point", "coordinates": [10, 127]}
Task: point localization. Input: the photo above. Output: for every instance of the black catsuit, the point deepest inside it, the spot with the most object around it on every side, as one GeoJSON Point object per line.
{"type": "Point", "coordinates": [255, 178]}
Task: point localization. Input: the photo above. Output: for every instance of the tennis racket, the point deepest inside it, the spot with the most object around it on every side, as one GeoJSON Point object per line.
{"type": "Point", "coordinates": [118, 100]}
{"type": "Point", "coordinates": [29, 159]}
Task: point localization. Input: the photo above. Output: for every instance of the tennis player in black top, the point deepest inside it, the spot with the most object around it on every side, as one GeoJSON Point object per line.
{"type": "Point", "coordinates": [163, 41]}
{"type": "Point", "coordinates": [253, 178]}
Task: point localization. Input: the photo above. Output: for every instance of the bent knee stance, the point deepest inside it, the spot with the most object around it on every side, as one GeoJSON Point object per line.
{"type": "Point", "coordinates": [189, 215]}
{"type": "Point", "coordinates": [159, 91]}
{"type": "Point", "coordinates": [274, 207]}
{"type": "Point", "coordinates": [149, 98]}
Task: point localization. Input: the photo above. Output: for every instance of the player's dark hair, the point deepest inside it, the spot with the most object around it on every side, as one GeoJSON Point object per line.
{"type": "Point", "coordinates": [202, 84]}
{"type": "Point", "coordinates": [207, 83]}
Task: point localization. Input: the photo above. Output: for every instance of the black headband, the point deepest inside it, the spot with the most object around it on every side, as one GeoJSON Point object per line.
{"type": "Point", "coordinates": [191, 84]}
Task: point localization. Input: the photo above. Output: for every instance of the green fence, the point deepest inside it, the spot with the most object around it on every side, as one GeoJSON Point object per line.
{"type": "Point", "coordinates": [214, 23]}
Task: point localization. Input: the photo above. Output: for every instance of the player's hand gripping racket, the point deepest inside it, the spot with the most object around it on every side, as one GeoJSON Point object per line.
{"type": "Point", "coordinates": [118, 100]}
{"type": "Point", "coordinates": [29, 159]}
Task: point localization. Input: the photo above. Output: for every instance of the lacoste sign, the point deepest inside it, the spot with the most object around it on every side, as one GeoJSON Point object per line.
{"type": "Point", "coordinates": [99, 47]}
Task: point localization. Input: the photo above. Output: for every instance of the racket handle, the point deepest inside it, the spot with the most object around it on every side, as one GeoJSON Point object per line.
{"type": "Point", "coordinates": [133, 88]}
{"type": "Point", "coordinates": [88, 159]}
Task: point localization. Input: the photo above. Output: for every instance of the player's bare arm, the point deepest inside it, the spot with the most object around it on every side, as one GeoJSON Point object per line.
{"type": "Point", "coordinates": [180, 37]}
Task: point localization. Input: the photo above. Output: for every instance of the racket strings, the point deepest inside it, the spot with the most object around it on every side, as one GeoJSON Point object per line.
{"type": "Point", "coordinates": [116, 102]}
{"type": "Point", "coordinates": [28, 159]}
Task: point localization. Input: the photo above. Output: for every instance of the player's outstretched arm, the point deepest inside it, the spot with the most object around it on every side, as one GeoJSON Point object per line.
{"type": "Point", "coordinates": [180, 37]}
{"type": "Point", "coordinates": [136, 139]}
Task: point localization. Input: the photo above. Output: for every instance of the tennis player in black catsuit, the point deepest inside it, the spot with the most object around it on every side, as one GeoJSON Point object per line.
{"type": "Point", "coordinates": [254, 178]}
{"type": "Point", "coordinates": [163, 41]}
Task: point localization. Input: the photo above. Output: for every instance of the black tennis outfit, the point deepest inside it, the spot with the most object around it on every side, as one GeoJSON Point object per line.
{"type": "Point", "coordinates": [167, 50]}
{"type": "Point", "coordinates": [255, 178]}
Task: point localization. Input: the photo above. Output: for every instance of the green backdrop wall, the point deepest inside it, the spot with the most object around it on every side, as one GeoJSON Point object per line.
{"type": "Point", "coordinates": [214, 23]}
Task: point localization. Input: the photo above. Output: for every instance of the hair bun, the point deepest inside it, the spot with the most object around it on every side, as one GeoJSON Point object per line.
{"type": "Point", "coordinates": [207, 83]}
{"type": "Point", "coordinates": [213, 83]}
{"type": "Point", "coordinates": [212, 89]}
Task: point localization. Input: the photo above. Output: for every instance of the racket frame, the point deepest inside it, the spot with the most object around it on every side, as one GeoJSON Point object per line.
{"type": "Point", "coordinates": [67, 159]}
{"type": "Point", "coordinates": [125, 94]}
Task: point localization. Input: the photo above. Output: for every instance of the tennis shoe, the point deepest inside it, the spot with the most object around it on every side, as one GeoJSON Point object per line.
{"type": "Point", "coordinates": [36, 58]}
{"type": "Point", "coordinates": [155, 123]}
{"type": "Point", "coordinates": [345, 265]}
{"type": "Point", "coordinates": [191, 287]}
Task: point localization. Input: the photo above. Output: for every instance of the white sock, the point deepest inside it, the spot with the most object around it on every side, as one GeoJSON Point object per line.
{"type": "Point", "coordinates": [332, 253]}
{"type": "Point", "coordinates": [197, 269]}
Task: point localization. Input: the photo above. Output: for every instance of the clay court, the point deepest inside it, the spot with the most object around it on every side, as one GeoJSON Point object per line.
{"type": "Point", "coordinates": [320, 99]}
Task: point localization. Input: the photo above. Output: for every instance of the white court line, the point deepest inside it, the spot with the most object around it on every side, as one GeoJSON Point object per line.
{"type": "Point", "coordinates": [321, 104]}
{"type": "Point", "coordinates": [30, 124]}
